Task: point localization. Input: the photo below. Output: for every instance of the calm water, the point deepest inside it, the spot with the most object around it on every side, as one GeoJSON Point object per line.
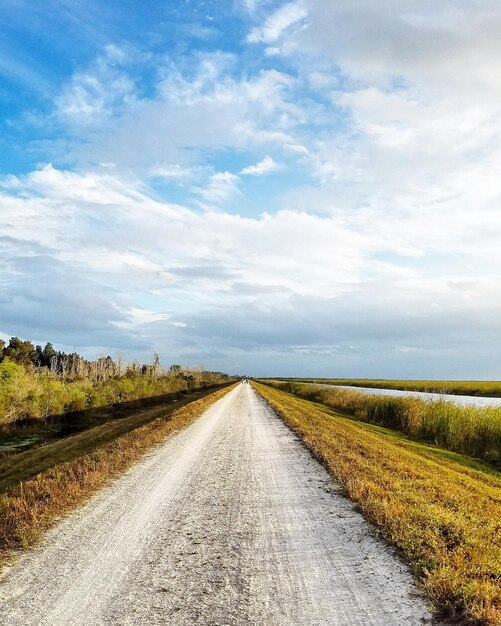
{"type": "Point", "coordinates": [460, 400]}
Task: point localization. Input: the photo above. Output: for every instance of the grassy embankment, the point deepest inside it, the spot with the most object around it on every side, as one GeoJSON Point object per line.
{"type": "Point", "coordinates": [487, 388]}
{"type": "Point", "coordinates": [40, 485]}
{"type": "Point", "coordinates": [442, 510]}
{"type": "Point", "coordinates": [28, 394]}
{"type": "Point", "coordinates": [471, 430]}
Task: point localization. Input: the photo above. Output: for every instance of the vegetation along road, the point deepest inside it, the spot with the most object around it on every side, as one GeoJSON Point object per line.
{"type": "Point", "coordinates": [230, 521]}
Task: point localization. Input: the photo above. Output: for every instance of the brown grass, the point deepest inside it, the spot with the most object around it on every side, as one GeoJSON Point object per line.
{"type": "Point", "coordinates": [30, 507]}
{"type": "Point", "coordinates": [441, 509]}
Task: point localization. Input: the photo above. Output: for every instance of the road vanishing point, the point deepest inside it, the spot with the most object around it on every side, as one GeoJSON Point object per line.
{"type": "Point", "coordinates": [229, 522]}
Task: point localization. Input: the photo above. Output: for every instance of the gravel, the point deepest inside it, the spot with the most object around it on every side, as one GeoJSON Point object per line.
{"type": "Point", "coordinates": [229, 522]}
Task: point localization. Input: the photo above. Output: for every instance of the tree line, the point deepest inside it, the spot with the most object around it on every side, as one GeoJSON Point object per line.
{"type": "Point", "coordinates": [72, 366]}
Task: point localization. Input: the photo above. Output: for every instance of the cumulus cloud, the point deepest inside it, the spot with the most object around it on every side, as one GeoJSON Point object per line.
{"type": "Point", "coordinates": [188, 115]}
{"type": "Point", "coordinates": [163, 277]}
{"type": "Point", "coordinates": [94, 95]}
{"type": "Point", "coordinates": [420, 130]}
{"type": "Point", "coordinates": [379, 253]}
{"type": "Point", "coordinates": [170, 171]}
{"type": "Point", "coordinates": [450, 44]}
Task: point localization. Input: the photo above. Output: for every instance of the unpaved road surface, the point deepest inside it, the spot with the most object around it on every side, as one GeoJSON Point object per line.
{"type": "Point", "coordinates": [230, 522]}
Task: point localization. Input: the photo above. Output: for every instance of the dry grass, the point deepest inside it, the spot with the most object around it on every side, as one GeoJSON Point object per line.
{"type": "Point", "coordinates": [488, 388]}
{"type": "Point", "coordinates": [469, 430]}
{"type": "Point", "coordinates": [441, 509]}
{"type": "Point", "coordinates": [29, 508]}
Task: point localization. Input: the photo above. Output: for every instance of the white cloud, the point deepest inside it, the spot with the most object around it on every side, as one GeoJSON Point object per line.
{"type": "Point", "coordinates": [222, 187]}
{"type": "Point", "coordinates": [272, 51]}
{"type": "Point", "coordinates": [421, 129]}
{"type": "Point", "coordinates": [251, 5]}
{"type": "Point", "coordinates": [450, 44]}
{"type": "Point", "coordinates": [188, 116]}
{"type": "Point", "coordinates": [93, 96]}
{"type": "Point", "coordinates": [154, 273]}
{"type": "Point", "coordinates": [170, 171]}
{"type": "Point", "coordinates": [263, 167]}
{"type": "Point", "coordinates": [277, 23]}
{"type": "Point", "coordinates": [384, 246]}
{"type": "Point", "coordinates": [137, 316]}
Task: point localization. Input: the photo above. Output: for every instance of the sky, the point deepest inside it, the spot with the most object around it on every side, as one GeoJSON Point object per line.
{"type": "Point", "coordinates": [305, 188]}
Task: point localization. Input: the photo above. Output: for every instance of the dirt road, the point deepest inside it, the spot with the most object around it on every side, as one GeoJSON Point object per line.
{"type": "Point", "coordinates": [230, 522]}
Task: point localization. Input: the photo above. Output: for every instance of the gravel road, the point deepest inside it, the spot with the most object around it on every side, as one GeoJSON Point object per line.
{"type": "Point", "coordinates": [230, 522]}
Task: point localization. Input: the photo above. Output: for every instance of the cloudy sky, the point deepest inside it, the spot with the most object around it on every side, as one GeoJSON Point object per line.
{"type": "Point", "coordinates": [296, 188]}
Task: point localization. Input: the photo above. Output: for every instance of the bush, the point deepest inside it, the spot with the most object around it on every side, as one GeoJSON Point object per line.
{"type": "Point", "coordinates": [26, 394]}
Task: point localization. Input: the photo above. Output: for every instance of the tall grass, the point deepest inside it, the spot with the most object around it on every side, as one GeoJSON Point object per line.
{"type": "Point", "coordinates": [471, 430]}
{"type": "Point", "coordinates": [487, 388]}
{"type": "Point", "coordinates": [27, 394]}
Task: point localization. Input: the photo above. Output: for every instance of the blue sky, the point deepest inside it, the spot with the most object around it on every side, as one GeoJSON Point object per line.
{"type": "Point", "coordinates": [307, 187]}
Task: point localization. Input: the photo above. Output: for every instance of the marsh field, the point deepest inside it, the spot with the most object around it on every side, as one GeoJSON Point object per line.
{"type": "Point", "coordinates": [481, 388]}
{"type": "Point", "coordinates": [471, 430]}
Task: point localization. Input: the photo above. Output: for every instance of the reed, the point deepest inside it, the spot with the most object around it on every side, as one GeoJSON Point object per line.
{"type": "Point", "coordinates": [483, 388]}
{"type": "Point", "coordinates": [54, 480]}
{"type": "Point", "coordinates": [471, 430]}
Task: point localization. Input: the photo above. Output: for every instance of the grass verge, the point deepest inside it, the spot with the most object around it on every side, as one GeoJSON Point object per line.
{"type": "Point", "coordinates": [71, 470]}
{"type": "Point", "coordinates": [471, 430]}
{"type": "Point", "coordinates": [442, 510]}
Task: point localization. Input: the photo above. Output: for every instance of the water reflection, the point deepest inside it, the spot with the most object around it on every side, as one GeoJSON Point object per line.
{"type": "Point", "coordinates": [459, 400]}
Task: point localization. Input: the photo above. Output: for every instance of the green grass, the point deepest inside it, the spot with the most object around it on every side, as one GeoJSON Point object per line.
{"type": "Point", "coordinates": [25, 464]}
{"type": "Point", "coordinates": [471, 430]}
{"type": "Point", "coordinates": [441, 509]}
{"type": "Point", "coordinates": [487, 388]}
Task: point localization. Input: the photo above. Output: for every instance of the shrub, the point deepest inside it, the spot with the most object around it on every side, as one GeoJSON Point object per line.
{"type": "Point", "coordinates": [27, 394]}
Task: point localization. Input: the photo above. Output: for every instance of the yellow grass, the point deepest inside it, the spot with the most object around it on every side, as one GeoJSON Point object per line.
{"type": "Point", "coordinates": [441, 509]}
{"type": "Point", "coordinates": [489, 388]}
{"type": "Point", "coordinates": [472, 430]}
{"type": "Point", "coordinates": [29, 508]}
